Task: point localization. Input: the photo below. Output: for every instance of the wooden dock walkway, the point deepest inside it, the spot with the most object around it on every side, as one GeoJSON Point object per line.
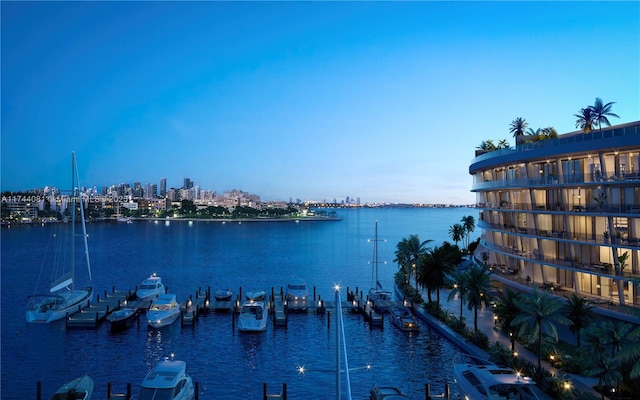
{"type": "Point", "coordinates": [93, 314]}
{"type": "Point", "coordinates": [279, 310]}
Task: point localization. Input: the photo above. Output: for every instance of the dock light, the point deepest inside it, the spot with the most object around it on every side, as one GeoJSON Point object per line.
{"type": "Point", "coordinates": [206, 303]}
{"type": "Point", "coordinates": [300, 369]}
{"type": "Point", "coordinates": [336, 287]}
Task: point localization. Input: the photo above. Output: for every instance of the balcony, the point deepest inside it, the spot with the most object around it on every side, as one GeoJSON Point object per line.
{"type": "Point", "coordinates": [622, 178]}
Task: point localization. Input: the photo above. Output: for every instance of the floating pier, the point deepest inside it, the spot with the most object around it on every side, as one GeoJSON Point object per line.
{"type": "Point", "coordinates": [279, 309]}
{"type": "Point", "coordinates": [93, 314]}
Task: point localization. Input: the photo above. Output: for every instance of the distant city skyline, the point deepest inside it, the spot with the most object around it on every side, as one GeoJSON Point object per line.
{"type": "Point", "coordinates": [382, 101]}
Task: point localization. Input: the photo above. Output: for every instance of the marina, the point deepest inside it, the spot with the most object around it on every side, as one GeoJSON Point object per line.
{"type": "Point", "coordinates": [195, 262]}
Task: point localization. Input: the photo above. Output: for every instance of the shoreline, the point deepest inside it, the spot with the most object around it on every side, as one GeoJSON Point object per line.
{"type": "Point", "coordinates": [172, 219]}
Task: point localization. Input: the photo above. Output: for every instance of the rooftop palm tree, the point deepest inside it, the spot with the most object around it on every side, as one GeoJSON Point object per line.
{"type": "Point", "coordinates": [549, 132]}
{"type": "Point", "coordinates": [586, 119]}
{"type": "Point", "coordinates": [601, 112]}
{"type": "Point", "coordinates": [540, 313]}
{"type": "Point", "coordinates": [503, 144]}
{"type": "Point", "coordinates": [518, 126]}
{"type": "Point", "coordinates": [536, 133]}
{"type": "Point", "coordinates": [477, 288]}
{"type": "Point", "coordinates": [580, 313]}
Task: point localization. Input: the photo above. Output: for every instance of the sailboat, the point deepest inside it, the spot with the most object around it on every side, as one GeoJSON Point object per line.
{"type": "Point", "coordinates": [381, 298]}
{"type": "Point", "coordinates": [64, 298]}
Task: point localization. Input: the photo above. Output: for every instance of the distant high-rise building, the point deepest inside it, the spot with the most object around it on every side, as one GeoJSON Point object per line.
{"type": "Point", "coordinates": [196, 192]}
{"type": "Point", "coordinates": [163, 187]}
{"type": "Point", "coordinates": [187, 184]}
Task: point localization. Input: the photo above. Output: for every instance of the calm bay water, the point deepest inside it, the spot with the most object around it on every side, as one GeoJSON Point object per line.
{"type": "Point", "coordinates": [227, 364]}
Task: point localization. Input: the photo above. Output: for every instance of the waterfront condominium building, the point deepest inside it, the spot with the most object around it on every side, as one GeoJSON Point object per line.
{"type": "Point", "coordinates": [564, 214]}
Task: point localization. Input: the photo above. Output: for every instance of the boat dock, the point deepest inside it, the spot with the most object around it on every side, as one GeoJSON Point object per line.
{"type": "Point", "coordinates": [91, 316]}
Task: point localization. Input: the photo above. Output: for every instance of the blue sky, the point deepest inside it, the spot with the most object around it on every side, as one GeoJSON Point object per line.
{"type": "Point", "coordinates": [312, 100]}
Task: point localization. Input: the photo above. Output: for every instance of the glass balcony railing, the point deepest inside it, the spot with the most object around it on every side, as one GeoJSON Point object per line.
{"type": "Point", "coordinates": [579, 237]}
{"type": "Point", "coordinates": [595, 268]}
{"type": "Point", "coordinates": [630, 177]}
{"type": "Point", "coordinates": [633, 210]}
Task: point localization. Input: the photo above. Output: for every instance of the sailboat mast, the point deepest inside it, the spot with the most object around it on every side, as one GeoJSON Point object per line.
{"type": "Point", "coordinates": [73, 220]}
{"type": "Point", "coordinates": [375, 253]}
{"type": "Point", "coordinates": [84, 228]}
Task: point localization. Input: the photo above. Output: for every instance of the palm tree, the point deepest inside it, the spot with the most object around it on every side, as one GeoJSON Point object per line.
{"type": "Point", "coordinates": [518, 126]}
{"type": "Point", "coordinates": [549, 132]}
{"type": "Point", "coordinates": [456, 280]}
{"type": "Point", "coordinates": [608, 347]}
{"type": "Point", "coordinates": [403, 259]}
{"type": "Point", "coordinates": [536, 134]}
{"type": "Point", "coordinates": [477, 288]}
{"type": "Point", "coordinates": [601, 112]}
{"type": "Point", "coordinates": [507, 309]}
{"type": "Point", "coordinates": [435, 265]}
{"type": "Point", "coordinates": [456, 232]}
{"type": "Point", "coordinates": [540, 313]}
{"type": "Point", "coordinates": [503, 144]}
{"type": "Point", "coordinates": [580, 313]}
{"type": "Point", "coordinates": [410, 251]}
{"type": "Point", "coordinates": [586, 119]}
{"type": "Point", "coordinates": [469, 224]}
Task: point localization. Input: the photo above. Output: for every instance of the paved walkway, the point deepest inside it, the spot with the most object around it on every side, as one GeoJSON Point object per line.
{"type": "Point", "coordinates": [486, 324]}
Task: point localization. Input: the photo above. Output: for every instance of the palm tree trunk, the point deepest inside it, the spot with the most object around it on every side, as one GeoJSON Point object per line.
{"type": "Point", "coordinates": [475, 318]}
{"type": "Point", "coordinates": [539, 347]}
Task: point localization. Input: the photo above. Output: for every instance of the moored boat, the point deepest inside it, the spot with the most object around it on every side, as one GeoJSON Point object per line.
{"type": "Point", "coordinates": [123, 318]}
{"type": "Point", "coordinates": [78, 389]}
{"type": "Point", "coordinates": [297, 290]}
{"type": "Point", "coordinates": [168, 380]}
{"type": "Point", "coordinates": [488, 381]}
{"type": "Point", "coordinates": [64, 298]}
{"type": "Point", "coordinates": [150, 288]}
{"type": "Point", "coordinates": [380, 298]}
{"type": "Point", "coordinates": [386, 393]}
{"type": "Point", "coordinates": [256, 295]}
{"type": "Point", "coordinates": [164, 311]}
{"type": "Point", "coordinates": [223, 294]}
{"type": "Point", "coordinates": [253, 316]}
{"type": "Point", "coordinates": [403, 318]}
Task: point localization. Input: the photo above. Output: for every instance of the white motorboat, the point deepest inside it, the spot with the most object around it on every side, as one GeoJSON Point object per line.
{"type": "Point", "coordinates": [164, 311]}
{"type": "Point", "coordinates": [386, 393]}
{"type": "Point", "coordinates": [150, 288]}
{"type": "Point", "coordinates": [253, 316]}
{"type": "Point", "coordinates": [64, 298]}
{"type": "Point", "coordinates": [493, 382]}
{"type": "Point", "coordinates": [297, 291]}
{"type": "Point", "coordinates": [123, 318]}
{"type": "Point", "coordinates": [78, 389]}
{"type": "Point", "coordinates": [403, 318]}
{"type": "Point", "coordinates": [168, 380]}
{"type": "Point", "coordinates": [256, 295]}
{"type": "Point", "coordinates": [223, 294]}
